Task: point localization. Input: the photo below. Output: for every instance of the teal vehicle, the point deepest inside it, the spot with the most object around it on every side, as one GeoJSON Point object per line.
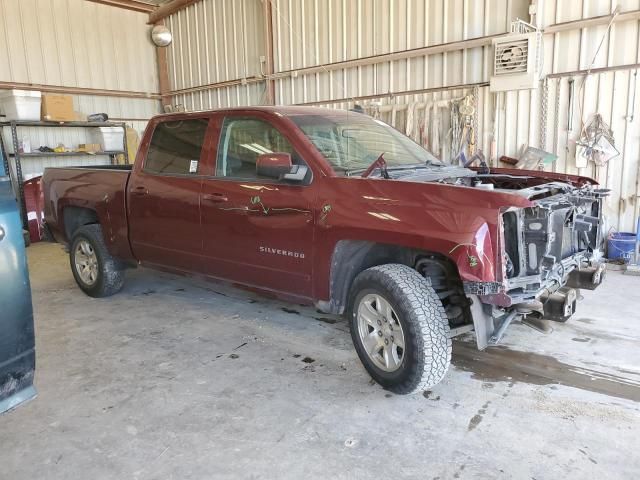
{"type": "Point", "coordinates": [17, 344]}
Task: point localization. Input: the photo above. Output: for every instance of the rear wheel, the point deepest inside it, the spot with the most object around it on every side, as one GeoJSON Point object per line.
{"type": "Point", "coordinates": [399, 328]}
{"type": "Point", "coordinates": [96, 272]}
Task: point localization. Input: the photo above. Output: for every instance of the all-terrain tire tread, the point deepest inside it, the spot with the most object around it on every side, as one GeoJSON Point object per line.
{"type": "Point", "coordinates": [427, 320]}
{"type": "Point", "coordinates": [111, 276]}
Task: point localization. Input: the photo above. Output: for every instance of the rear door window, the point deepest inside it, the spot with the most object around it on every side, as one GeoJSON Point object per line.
{"type": "Point", "coordinates": [176, 147]}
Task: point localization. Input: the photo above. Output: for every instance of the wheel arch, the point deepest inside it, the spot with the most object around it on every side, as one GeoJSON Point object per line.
{"type": "Point", "coordinates": [74, 217]}
{"type": "Point", "coordinates": [350, 257]}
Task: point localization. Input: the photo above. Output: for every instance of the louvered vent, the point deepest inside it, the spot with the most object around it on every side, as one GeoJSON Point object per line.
{"type": "Point", "coordinates": [516, 62]}
{"type": "Point", "coordinates": [512, 57]}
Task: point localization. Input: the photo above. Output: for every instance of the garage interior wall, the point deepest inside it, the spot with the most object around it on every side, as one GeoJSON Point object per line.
{"type": "Point", "coordinates": [80, 45]}
{"type": "Point", "coordinates": [399, 58]}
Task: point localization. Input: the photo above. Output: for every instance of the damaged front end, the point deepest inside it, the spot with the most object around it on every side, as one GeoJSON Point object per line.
{"type": "Point", "coordinates": [549, 251]}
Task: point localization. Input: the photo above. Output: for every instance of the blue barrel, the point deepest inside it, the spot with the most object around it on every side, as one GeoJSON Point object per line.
{"type": "Point", "coordinates": [621, 246]}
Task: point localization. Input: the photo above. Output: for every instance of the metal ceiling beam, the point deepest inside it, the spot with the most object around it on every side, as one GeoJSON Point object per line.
{"type": "Point", "coordinates": [135, 5]}
{"type": "Point", "coordinates": [167, 9]}
{"type": "Point", "coordinates": [592, 22]}
{"type": "Point", "coordinates": [78, 90]}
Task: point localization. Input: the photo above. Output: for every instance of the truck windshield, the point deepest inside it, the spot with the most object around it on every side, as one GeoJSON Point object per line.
{"type": "Point", "coordinates": [351, 141]}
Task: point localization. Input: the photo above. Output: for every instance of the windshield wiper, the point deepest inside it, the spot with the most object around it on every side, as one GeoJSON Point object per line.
{"type": "Point", "coordinates": [378, 163]}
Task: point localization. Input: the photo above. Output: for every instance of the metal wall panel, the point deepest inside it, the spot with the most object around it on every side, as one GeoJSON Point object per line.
{"type": "Point", "coordinates": [216, 41]}
{"type": "Point", "coordinates": [317, 32]}
{"type": "Point", "coordinates": [76, 43]}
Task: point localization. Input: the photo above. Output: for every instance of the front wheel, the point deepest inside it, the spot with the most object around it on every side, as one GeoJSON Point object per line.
{"type": "Point", "coordinates": [399, 328]}
{"type": "Point", "coordinates": [97, 273]}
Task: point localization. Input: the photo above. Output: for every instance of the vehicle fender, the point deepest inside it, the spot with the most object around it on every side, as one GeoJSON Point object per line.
{"type": "Point", "coordinates": [347, 256]}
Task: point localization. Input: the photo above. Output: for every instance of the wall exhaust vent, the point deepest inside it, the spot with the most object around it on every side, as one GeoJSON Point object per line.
{"type": "Point", "coordinates": [517, 61]}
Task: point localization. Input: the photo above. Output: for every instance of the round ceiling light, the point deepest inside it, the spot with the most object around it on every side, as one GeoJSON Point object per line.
{"type": "Point", "coordinates": [161, 36]}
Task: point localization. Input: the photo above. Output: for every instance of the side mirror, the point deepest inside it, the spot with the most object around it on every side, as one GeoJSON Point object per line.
{"type": "Point", "coordinates": [273, 165]}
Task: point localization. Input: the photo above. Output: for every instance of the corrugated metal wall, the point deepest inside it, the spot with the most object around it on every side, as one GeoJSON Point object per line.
{"type": "Point", "coordinates": [216, 41]}
{"type": "Point", "coordinates": [309, 33]}
{"type": "Point", "coordinates": [75, 43]}
{"type": "Point", "coordinates": [312, 32]}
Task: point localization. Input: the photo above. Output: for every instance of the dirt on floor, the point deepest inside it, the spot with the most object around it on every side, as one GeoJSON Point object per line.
{"type": "Point", "coordinates": [180, 378]}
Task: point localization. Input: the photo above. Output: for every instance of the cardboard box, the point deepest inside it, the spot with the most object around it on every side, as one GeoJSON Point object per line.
{"type": "Point", "coordinates": [57, 108]}
{"type": "Point", "coordinates": [89, 147]}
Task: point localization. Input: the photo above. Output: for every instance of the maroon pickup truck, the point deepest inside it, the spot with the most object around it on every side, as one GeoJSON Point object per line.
{"type": "Point", "coordinates": [339, 210]}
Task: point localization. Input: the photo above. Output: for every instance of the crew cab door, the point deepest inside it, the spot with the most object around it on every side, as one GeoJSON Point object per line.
{"type": "Point", "coordinates": [257, 231]}
{"type": "Point", "coordinates": [164, 195]}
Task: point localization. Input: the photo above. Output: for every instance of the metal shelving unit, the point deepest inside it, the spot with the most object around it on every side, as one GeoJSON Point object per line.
{"type": "Point", "coordinates": [17, 156]}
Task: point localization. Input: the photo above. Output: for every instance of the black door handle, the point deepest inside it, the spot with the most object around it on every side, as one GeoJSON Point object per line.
{"type": "Point", "coordinates": [215, 197]}
{"type": "Point", "coordinates": [141, 190]}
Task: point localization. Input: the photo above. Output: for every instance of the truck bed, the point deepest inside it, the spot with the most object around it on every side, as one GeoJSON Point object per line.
{"type": "Point", "coordinates": [74, 192]}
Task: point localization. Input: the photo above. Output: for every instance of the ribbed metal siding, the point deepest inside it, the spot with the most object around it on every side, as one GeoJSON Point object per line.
{"type": "Point", "coordinates": [216, 41]}
{"type": "Point", "coordinates": [315, 32]}
{"type": "Point", "coordinates": [75, 43]}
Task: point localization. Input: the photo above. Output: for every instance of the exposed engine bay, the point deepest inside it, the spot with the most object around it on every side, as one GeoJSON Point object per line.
{"type": "Point", "coordinates": [550, 250]}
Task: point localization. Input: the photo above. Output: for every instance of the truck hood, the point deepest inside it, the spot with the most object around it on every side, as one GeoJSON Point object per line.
{"type": "Point", "coordinates": [497, 182]}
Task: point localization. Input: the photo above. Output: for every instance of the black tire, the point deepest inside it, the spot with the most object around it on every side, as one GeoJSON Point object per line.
{"type": "Point", "coordinates": [427, 347]}
{"type": "Point", "coordinates": [110, 272]}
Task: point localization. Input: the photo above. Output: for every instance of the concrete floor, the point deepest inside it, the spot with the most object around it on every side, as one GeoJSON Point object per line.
{"type": "Point", "coordinates": [176, 378]}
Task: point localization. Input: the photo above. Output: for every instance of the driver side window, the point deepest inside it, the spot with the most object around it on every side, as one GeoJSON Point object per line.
{"type": "Point", "coordinates": [242, 140]}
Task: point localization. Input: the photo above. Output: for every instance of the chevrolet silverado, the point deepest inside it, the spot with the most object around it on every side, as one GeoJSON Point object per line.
{"type": "Point", "coordinates": [340, 210]}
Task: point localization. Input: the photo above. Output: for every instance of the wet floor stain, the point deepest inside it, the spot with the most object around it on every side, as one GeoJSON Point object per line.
{"type": "Point", "coordinates": [460, 469]}
{"type": "Point", "coordinates": [428, 394]}
{"type": "Point", "coordinates": [585, 320]}
{"type": "Point", "coordinates": [330, 321]}
{"type": "Point", "coordinates": [502, 364]}
{"type": "Point", "coordinates": [290, 310]}
{"type": "Point", "coordinates": [477, 418]}
{"type": "Point", "coordinates": [146, 292]}
{"type": "Point", "coordinates": [592, 460]}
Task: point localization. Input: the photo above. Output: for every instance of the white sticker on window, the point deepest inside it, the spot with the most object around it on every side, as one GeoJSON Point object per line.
{"type": "Point", "coordinates": [193, 166]}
